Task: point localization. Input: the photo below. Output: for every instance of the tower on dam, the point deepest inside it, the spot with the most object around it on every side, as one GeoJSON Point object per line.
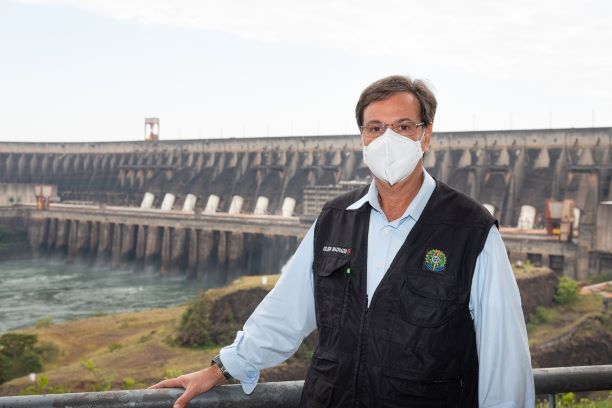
{"type": "Point", "coordinates": [518, 174]}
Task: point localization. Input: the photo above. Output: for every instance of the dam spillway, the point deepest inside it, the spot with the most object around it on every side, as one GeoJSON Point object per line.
{"type": "Point", "coordinates": [280, 177]}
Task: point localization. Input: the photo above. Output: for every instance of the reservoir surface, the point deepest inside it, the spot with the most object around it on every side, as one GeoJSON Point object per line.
{"type": "Point", "coordinates": [31, 290]}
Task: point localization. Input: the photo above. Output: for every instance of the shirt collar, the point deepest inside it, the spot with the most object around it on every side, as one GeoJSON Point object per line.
{"type": "Point", "coordinates": [414, 210]}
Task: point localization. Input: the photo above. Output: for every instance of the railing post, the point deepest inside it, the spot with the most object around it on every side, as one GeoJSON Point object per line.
{"type": "Point", "coordinates": [551, 400]}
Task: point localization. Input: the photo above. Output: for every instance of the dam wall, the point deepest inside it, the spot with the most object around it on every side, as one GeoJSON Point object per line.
{"type": "Point", "coordinates": [194, 184]}
{"type": "Point", "coordinates": [506, 169]}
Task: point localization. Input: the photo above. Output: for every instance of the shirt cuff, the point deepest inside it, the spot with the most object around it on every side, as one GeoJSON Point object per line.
{"type": "Point", "coordinates": [238, 367]}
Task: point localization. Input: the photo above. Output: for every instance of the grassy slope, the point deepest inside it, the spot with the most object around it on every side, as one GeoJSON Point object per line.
{"type": "Point", "coordinates": [146, 353]}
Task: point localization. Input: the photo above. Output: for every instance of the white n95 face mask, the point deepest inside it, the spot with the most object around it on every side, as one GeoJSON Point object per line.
{"type": "Point", "coordinates": [392, 157]}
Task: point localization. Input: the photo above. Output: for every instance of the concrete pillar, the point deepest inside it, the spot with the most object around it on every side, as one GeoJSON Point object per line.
{"type": "Point", "coordinates": [141, 242]}
{"type": "Point", "coordinates": [9, 167]}
{"type": "Point", "coordinates": [21, 164]}
{"type": "Point", "coordinates": [222, 248]}
{"type": "Point", "coordinates": [61, 239]}
{"type": "Point", "coordinates": [516, 186]}
{"type": "Point", "coordinates": [128, 237]}
{"type": "Point", "coordinates": [82, 239]}
{"type": "Point", "coordinates": [192, 254]}
{"type": "Point", "coordinates": [94, 238]}
{"type": "Point", "coordinates": [235, 244]}
{"type": "Point", "coordinates": [52, 234]}
{"type": "Point", "coordinates": [73, 240]}
{"type": "Point", "coordinates": [178, 251]}
{"type": "Point", "coordinates": [45, 165]}
{"type": "Point", "coordinates": [445, 168]}
{"type": "Point", "coordinates": [34, 165]}
{"type": "Point", "coordinates": [205, 246]}
{"type": "Point", "coordinates": [105, 237]}
{"type": "Point", "coordinates": [56, 164]}
{"type": "Point", "coordinates": [152, 251]}
{"type": "Point", "coordinates": [116, 246]}
{"type": "Point", "coordinates": [166, 252]}
{"type": "Point", "coordinates": [37, 234]}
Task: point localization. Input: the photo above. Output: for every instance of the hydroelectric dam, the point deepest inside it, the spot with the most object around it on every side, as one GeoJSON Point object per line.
{"type": "Point", "coordinates": [217, 208]}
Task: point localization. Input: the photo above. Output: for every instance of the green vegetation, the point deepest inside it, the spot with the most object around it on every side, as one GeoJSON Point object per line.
{"type": "Point", "coordinates": [41, 386]}
{"type": "Point", "coordinates": [600, 278]}
{"type": "Point", "coordinates": [568, 291]}
{"type": "Point", "coordinates": [18, 356]}
{"type": "Point", "coordinates": [528, 270]}
{"type": "Point", "coordinates": [568, 400]}
{"type": "Point", "coordinates": [102, 383]}
{"type": "Point", "coordinates": [215, 316]}
{"type": "Point", "coordinates": [114, 347]}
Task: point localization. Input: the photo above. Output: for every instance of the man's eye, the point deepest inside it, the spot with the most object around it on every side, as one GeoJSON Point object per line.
{"type": "Point", "coordinates": [375, 128]}
{"type": "Point", "coordinates": [404, 127]}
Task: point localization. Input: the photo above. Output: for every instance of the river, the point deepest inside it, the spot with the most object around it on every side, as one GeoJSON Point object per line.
{"type": "Point", "coordinates": [31, 290]}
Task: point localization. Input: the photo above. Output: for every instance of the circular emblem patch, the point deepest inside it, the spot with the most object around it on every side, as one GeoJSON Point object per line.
{"type": "Point", "coordinates": [435, 260]}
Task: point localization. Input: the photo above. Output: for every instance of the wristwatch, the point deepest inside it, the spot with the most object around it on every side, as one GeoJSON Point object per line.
{"type": "Point", "coordinates": [216, 360]}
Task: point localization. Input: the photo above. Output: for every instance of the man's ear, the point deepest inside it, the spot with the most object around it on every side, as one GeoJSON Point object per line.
{"type": "Point", "coordinates": [427, 138]}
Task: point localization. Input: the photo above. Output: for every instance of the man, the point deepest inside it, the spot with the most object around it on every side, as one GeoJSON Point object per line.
{"type": "Point", "coordinates": [407, 281]}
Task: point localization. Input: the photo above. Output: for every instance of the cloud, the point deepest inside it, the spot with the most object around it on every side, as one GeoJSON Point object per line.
{"type": "Point", "coordinates": [548, 41]}
{"type": "Point", "coordinates": [448, 30]}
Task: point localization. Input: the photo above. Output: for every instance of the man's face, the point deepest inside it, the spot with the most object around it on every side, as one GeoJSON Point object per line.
{"type": "Point", "coordinates": [399, 106]}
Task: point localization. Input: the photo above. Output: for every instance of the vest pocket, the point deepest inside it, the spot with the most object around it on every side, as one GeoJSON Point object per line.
{"type": "Point", "coordinates": [332, 285]}
{"type": "Point", "coordinates": [426, 301]}
{"type": "Point", "coordinates": [318, 392]}
{"type": "Point", "coordinates": [401, 389]}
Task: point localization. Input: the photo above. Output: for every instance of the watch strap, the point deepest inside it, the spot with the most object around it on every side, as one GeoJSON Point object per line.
{"type": "Point", "coordinates": [216, 360]}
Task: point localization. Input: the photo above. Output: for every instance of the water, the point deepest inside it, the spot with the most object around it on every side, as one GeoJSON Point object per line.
{"type": "Point", "coordinates": [31, 290]}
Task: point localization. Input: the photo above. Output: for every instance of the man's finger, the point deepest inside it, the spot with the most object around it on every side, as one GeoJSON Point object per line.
{"type": "Point", "coordinates": [184, 399]}
{"type": "Point", "coordinates": [170, 383]}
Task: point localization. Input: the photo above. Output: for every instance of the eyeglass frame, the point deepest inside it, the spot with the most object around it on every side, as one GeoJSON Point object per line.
{"type": "Point", "coordinates": [393, 127]}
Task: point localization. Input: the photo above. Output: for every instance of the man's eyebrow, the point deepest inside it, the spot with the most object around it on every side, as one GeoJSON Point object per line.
{"type": "Point", "coordinates": [399, 120]}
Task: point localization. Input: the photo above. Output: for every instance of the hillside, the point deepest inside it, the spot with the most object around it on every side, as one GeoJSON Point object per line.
{"type": "Point", "coordinates": [134, 350]}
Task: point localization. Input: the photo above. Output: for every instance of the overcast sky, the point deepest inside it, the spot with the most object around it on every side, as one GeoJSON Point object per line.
{"type": "Point", "coordinates": [92, 70]}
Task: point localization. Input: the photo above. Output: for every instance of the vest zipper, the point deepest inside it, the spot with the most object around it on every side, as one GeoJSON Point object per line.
{"type": "Point", "coordinates": [361, 335]}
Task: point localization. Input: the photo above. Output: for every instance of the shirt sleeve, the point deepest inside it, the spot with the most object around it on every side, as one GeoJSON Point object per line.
{"type": "Point", "coordinates": [280, 322]}
{"type": "Point", "coordinates": [505, 375]}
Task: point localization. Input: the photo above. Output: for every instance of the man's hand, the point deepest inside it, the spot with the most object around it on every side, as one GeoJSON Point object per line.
{"type": "Point", "coordinates": [194, 384]}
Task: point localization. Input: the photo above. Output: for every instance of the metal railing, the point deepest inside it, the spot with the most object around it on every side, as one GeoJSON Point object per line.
{"type": "Point", "coordinates": [285, 394]}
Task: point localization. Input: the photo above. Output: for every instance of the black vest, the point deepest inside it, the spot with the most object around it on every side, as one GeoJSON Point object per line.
{"type": "Point", "coordinates": [415, 345]}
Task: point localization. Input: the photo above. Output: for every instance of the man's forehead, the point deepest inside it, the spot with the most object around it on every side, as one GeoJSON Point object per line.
{"type": "Point", "coordinates": [397, 104]}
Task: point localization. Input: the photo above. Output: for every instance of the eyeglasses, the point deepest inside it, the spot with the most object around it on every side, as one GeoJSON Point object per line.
{"type": "Point", "coordinates": [372, 130]}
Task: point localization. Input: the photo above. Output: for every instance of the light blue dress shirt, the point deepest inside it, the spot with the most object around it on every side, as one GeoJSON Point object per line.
{"type": "Point", "coordinates": [286, 316]}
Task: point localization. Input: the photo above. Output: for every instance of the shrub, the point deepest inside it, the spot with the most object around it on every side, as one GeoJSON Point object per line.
{"type": "Point", "coordinates": [18, 356]}
{"type": "Point", "coordinates": [214, 322]}
{"type": "Point", "coordinates": [128, 383]}
{"type": "Point", "coordinates": [568, 291]}
{"type": "Point", "coordinates": [600, 278]}
{"type": "Point", "coordinates": [41, 386]}
{"type": "Point", "coordinates": [114, 347]}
